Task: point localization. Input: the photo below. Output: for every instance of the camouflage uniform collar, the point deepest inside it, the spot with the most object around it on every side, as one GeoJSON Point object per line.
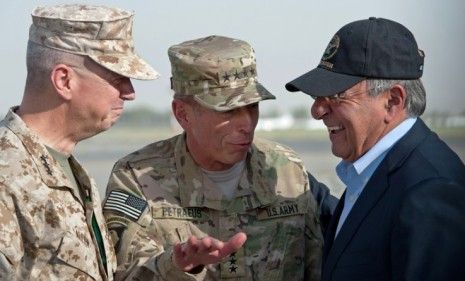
{"type": "Point", "coordinates": [196, 190]}
{"type": "Point", "coordinates": [190, 179]}
{"type": "Point", "coordinates": [50, 171]}
{"type": "Point", "coordinates": [261, 177]}
{"type": "Point", "coordinates": [85, 182]}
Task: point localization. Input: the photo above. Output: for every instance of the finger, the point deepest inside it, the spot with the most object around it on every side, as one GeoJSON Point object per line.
{"type": "Point", "coordinates": [192, 240]}
{"type": "Point", "coordinates": [185, 254]}
{"type": "Point", "coordinates": [205, 245]}
{"type": "Point", "coordinates": [191, 247]}
{"type": "Point", "coordinates": [217, 244]}
{"type": "Point", "coordinates": [233, 244]}
{"type": "Point", "coordinates": [178, 250]}
{"type": "Point", "coordinates": [179, 256]}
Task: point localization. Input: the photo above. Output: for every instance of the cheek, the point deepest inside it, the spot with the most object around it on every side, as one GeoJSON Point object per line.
{"type": "Point", "coordinates": [206, 136]}
{"type": "Point", "coordinates": [219, 135]}
{"type": "Point", "coordinates": [101, 109]}
{"type": "Point", "coordinates": [255, 122]}
{"type": "Point", "coordinates": [356, 127]}
{"type": "Point", "coordinates": [363, 127]}
{"type": "Point", "coordinates": [102, 105]}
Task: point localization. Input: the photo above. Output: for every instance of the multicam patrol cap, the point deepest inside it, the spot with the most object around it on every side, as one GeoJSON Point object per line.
{"type": "Point", "coordinates": [219, 72]}
{"type": "Point", "coordinates": [103, 34]}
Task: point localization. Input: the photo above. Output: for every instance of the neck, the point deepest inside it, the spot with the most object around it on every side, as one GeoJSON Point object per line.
{"type": "Point", "coordinates": [205, 161]}
{"type": "Point", "coordinates": [395, 122]}
{"type": "Point", "coordinates": [49, 123]}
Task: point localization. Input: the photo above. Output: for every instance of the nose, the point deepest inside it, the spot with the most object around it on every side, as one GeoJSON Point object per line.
{"type": "Point", "coordinates": [320, 108]}
{"type": "Point", "coordinates": [127, 90]}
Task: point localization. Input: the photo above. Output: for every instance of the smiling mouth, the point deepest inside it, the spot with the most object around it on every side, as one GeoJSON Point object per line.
{"type": "Point", "coordinates": [334, 129]}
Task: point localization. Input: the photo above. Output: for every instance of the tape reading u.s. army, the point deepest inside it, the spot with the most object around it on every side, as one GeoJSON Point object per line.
{"type": "Point", "coordinates": [281, 210]}
{"type": "Point", "coordinates": [189, 213]}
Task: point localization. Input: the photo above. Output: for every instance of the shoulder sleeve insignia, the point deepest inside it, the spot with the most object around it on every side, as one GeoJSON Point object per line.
{"type": "Point", "coordinates": [126, 204]}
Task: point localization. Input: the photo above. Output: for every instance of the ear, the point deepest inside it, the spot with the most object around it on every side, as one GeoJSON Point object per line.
{"type": "Point", "coordinates": [61, 80]}
{"type": "Point", "coordinates": [181, 111]}
{"type": "Point", "coordinates": [395, 103]}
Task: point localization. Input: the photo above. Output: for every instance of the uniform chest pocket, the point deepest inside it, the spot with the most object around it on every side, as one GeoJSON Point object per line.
{"type": "Point", "coordinates": [75, 253]}
{"type": "Point", "coordinates": [276, 241]}
{"type": "Point", "coordinates": [173, 224]}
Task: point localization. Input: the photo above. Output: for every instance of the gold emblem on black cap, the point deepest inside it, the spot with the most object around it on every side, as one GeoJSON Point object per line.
{"type": "Point", "coordinates": [331, 49]}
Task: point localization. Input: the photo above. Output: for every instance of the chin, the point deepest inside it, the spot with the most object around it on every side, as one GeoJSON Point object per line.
{"type": "Point", "coordinates": [239, 158]}
{"type": "Point", "coordinates": [107, 123]}
{"type": "Point", "coordinates": [104, 127]}
{"type": "Point", "coordinates": [337, 153]}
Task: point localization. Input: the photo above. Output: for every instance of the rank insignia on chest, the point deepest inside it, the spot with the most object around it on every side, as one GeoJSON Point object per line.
{"type": "Point", "coordinates": [44, 159]}
{"type": "Point", "coordinates": [126, 204]}
{"type": "Point", "coordinates": [234, 265]}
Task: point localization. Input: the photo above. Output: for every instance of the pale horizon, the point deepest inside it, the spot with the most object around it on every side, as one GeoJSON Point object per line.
{"type": "Point", "coordinates": [289, 38]}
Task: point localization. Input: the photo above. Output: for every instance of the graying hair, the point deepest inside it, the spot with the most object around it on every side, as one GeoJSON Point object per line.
{"type": "Point", "coordinates": [416, 95]}
{"type": "Point", "coordinates": [189, 99]}
{"type": "Point", "coordinates": [41, 60]}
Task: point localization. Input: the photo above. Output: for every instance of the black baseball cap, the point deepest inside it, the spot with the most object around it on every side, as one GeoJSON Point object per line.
{"type": "Point", "coordinates": [373, 48]}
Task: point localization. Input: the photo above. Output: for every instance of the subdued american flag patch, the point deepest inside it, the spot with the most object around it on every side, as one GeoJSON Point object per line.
{"type": "Point", "coordinates": [124, 203]}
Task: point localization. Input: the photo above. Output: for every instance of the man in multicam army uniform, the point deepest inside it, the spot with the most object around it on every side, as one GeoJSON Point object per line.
{"type": "Point", "coordinates": [167, 201]}
{"type": "Point", "coordinates": [79, 61]}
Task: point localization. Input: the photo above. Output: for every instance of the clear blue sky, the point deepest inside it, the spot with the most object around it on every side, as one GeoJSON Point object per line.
{"type": "Point", "coordinates": [289, 38]}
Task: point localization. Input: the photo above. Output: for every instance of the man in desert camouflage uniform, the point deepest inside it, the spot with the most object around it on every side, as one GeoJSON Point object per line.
{"type": "Point", "coordinates": [167, 202]}
{"type": "Point", "coordinates": [79, 61]}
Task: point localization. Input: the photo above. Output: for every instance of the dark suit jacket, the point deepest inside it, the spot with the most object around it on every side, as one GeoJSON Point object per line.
{"type": "Point", "coordinates": [409, 221]}
{"type": "Point", "coordinates": [326, 201]}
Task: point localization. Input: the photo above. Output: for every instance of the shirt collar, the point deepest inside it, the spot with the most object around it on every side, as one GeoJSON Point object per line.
{"type": "Point", "coordinates": [197, 190]}
{"type": "Point", "coordinates": [379, 148]}
{"type": "Point", "coordinates": [384, 144]}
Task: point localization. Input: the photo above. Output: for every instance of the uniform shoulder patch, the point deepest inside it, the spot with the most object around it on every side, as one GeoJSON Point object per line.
{"type": "Point", "coordinates": [126, 204]}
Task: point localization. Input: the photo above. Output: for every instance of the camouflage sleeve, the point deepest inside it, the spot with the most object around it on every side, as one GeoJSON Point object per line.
{"type": "Point", "coordinates": [313, 241]}
{"type": "Point", "coordinates": [11, 250]}
{"type": "Point", "coordinates": [139, 255]}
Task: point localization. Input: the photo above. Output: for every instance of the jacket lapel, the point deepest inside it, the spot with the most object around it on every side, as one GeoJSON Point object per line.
{"type": "Point", "coordinates": [373, 191]}
{"type": "Point", "coordinates": [331, 231]}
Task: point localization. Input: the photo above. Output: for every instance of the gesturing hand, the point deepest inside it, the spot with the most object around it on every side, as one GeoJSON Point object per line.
{"type": "Point", "coordinates": [205, 251]}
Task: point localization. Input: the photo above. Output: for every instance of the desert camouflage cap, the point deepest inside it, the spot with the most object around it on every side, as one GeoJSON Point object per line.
{"type": "Point", "coordinates": [102, 33]}
{"type": "Point", "coordinates": [219, 72]}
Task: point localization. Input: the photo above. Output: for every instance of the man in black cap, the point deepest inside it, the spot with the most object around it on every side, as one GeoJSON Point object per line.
{"type": "Point", "coordinates": [402, 216]}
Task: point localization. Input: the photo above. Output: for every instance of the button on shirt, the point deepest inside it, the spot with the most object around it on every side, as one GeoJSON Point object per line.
{"type": "Point", "coordinates": [356, 175]}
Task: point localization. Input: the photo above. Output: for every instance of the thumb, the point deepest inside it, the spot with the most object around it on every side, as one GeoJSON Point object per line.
{"type": "Point", "coordinates": [233, 244]}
